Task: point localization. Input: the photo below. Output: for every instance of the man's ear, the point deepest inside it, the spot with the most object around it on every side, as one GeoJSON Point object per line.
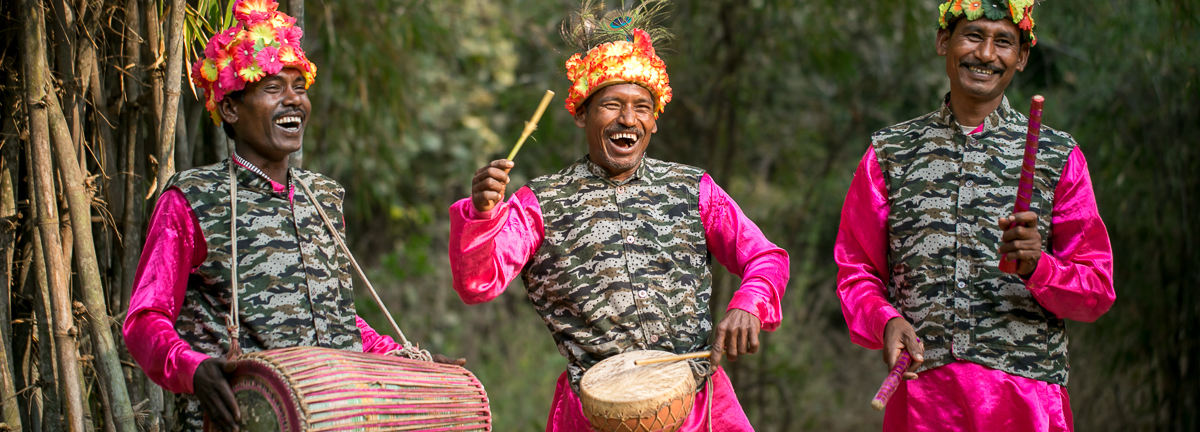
{"type": "Point", "coordinates": [228, 110]}
{"type": "Point", "coordinates": [581, 116]}
{"type": "Point", "coordinates": [942, 41]}
{"type": "Point", "coordinates": [1024, 56]}
{"type": "Point", "coordinates": [654, 130]}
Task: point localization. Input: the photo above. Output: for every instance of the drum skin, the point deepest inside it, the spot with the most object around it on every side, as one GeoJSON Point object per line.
{"type": "Point", "coordinates": [321, 389]}
{"type": "Point", "coordinates": [618, 396]}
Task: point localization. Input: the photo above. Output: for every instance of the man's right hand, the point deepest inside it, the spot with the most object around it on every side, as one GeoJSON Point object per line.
{"type": "Point", "coordinates": [211, 385]}
{"type": "Point", "coordinates": [898, 336]}
{"type": "Point", "coordinates": [487, 188]}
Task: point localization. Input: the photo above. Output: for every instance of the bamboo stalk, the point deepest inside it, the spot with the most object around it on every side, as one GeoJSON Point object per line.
{"type": "Point", "coordinates": [170, 105]}
{"type": "Point", "coordinates": [531, 125]}
{"type": "Point", "coordinates": [50, 394]}
{"type": "Point", "coordinates": [65, 37]}
{"type": "Point", "coordinates": [33, 59]}
{"type": "Point", "coordinates": [107, 363]}
{"type": "Point", "coordinates": [295, 8]}
{"type": "Point", "coordinates": [8, 220]}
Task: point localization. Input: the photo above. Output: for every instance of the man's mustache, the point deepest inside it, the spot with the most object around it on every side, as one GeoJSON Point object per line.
{"type": "Point", "coordinates": [620, 129]}
{"type": "Point", "coordinates": [984, 66]}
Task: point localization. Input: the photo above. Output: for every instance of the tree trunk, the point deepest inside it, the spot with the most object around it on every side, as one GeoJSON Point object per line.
{"type": "Point", "coordinates": [170, 106]}
{"type": "Point", "coordinates": [107, 362]}
{"type": "Point", "coordinates": [33, 59]}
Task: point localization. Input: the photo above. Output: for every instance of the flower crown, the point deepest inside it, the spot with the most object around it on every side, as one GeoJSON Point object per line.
{"type": "Point", "coordinates": [261, 43]}
{"type": "Point", "coordinates": [619, 62]}
{"type": "Point", "coordinates": [1020, 11]}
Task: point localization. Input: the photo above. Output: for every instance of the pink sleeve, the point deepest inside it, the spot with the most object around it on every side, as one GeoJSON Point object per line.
{"type": "Point", "coordinates": [742, 248]}
{"type": "Point", "coordinates": [174, 245]}
{"type": "Point", "coordinates": [488, 250]}
{"type": "Point", "coordinates": [861, 255]}
{"type": "Point", "coordinates": [1074, 280]}
{"type": "Point", "coordinates": [372, 341]}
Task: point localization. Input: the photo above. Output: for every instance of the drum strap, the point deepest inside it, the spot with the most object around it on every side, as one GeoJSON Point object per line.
{"type": "Point", "coordinates": [710, 398]}
{"type": "Point", "coordinates": [410, 349]}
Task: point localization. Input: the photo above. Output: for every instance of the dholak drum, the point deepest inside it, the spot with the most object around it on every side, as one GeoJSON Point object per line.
{"type": "Point", "coordinates": [618, 396]}
{"type": "Point", "coordinates": [321, 389]}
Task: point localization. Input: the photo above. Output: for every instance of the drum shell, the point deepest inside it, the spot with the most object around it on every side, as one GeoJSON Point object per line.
{"type": "Point", "coordinates": [321, 389]}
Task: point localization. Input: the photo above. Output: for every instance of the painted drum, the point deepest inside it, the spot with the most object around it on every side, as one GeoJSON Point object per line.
{"type": "Point", "coordinates": [619, 396]}
{"type": "Point", "coordinates": [322, 389]}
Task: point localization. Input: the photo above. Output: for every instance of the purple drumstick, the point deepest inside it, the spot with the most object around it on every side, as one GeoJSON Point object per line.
{"type": "Point", "coordinates": [891, 382]}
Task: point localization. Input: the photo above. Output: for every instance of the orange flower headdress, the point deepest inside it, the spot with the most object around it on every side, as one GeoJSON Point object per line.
{"type": "Point", "coordinates": [1020, 11]}
{"type": "Point", "coordinates": [618, 48]}
{"type": "Point", "coordinates": [261, 43]}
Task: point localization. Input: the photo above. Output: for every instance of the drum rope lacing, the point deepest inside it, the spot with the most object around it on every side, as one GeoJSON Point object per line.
{"type": "Point", "coordinates": [409, 350]}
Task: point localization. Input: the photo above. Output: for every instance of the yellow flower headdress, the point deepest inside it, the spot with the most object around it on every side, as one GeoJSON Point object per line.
{"type": "Point", "coordinates": [261, 43]}
{"type": "Point", "coordinates": [1020, 11]}
{"type": "Point", "coordinates": [618, 48]}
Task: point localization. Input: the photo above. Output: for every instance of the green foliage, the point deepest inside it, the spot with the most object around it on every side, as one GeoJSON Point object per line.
{"type": "Point", "coordinates": [777, 99]}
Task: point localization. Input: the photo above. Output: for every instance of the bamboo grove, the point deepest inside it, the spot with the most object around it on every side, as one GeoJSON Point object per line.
{"type": "Point", "coordinates": [93, 125]}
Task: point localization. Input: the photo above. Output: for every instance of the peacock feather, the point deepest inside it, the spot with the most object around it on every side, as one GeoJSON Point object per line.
{"type": "Point", "coordinates": [591, 26]}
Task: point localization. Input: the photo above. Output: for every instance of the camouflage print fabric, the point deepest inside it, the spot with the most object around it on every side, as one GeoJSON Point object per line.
{"type": "Point", "coordinates": [295, 287]}
{"type": "Point", "coordinates": [624, 265]}
{"type": "Point", "coordinates": [946, 192]}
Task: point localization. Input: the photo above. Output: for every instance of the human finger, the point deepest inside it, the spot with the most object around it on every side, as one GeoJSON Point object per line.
{"type": "Point", "coordinates": [230, 402]}
{"type": "Point", "coordinates": [753, 343]}
{"type": "Point", "coordinates": [718, 348]}
{"type": "Point", "coordinates": [503, 164]}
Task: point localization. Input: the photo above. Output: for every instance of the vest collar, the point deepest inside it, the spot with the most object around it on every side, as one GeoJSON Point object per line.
{"type": "Point", "coordinates": [1003, 114]}
{"type": "Point", "coordinates": [599, 171]}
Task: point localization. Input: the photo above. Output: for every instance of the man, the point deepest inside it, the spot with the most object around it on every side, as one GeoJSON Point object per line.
{"type": "Point", "coordinates": [294, 285]}
{"type": "Point", "coordinates": [926, 221]}
{"type": "Point", "coordinates": [614, 249]}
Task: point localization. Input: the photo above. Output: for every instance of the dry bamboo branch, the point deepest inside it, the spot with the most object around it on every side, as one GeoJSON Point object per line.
{"type": "Point", "coordinates": [33, 59]}
{"type": "Point", "coordinates": [108, 363]}
{"type": "Point", "coordinates": [170, 106]}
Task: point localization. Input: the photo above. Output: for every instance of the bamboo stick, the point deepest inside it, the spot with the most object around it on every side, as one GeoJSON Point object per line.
{"type": "Point", "coordinates": [8, 224]}
{"type": "Point", "coordinates": [107, 363]}
{"type": "Point", "coordinates": [50, 394]}
{"type": "Point", "coordinates": [33, 59]}
{"type": "Point", "coordinates": [170, 106]}
{"type": "Point", "coordinates": [672, 358]}
{"type": "Point", "coordinates": [295, 8]}
{"type": "Point", "coordinates": [531, 125]}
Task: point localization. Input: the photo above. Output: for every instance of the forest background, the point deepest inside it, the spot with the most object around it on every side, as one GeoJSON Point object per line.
{"type": "Point", "coordinates": [775, 98]}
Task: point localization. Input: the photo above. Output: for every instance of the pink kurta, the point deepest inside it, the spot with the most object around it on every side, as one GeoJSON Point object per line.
{"type": "Point", "coordinates": [174, 247]}
{"type": "Point", "coordinates": [1075, 282]}
{"type": "Point", "coordinates": [488, 250]}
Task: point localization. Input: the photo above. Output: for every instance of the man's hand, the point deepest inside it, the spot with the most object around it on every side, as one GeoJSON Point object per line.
{"type": "Point", "coordinates": [211, 386]}
{"type": "Point", "coordinates": [487, 188]}
{"type": "Point", "coordinates": [438, 358]}
{"type": "Point", "coordinates": [898, 336]}
{"type": "Point", "coordinates": [1022, 241]}
{"type": "Point", "coordinates": [737, 334]}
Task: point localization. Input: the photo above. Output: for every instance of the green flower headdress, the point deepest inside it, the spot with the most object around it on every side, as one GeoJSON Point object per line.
{"type": "Point", "coordinates": [1020, 11]}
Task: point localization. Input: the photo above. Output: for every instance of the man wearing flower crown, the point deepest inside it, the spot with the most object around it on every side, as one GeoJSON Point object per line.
{"type": "Point", "coordinates": [926, 221]}
{"type": "Point", "coordinates": [615, 249]}
{"type": "Point", "coordinates": [294, 287]}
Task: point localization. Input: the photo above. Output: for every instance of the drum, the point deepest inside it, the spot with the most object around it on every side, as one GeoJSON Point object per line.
{"type": "Point", "coordinates": [619, 396]}
{"type": "Point", "coordinates": [321, 389]}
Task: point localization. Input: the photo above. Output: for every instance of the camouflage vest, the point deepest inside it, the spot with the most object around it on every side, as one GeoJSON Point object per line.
{"type": "Point", "coordinates": [295, 284]}
{"type": "Point", "coordinates": [624, 266]}
{"type": "Point", "coordinates": [946, 192]}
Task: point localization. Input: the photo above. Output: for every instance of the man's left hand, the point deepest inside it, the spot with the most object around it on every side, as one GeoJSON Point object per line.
{"type": "Point", "coordinates": [1022, 241]}
{"type": "Point", "coordinates": [737, 335]}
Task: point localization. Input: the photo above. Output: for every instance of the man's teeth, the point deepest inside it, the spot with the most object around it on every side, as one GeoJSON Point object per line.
{"type": "Point", "coordinates": [627, 136]}
{"type": "Point", "coordinates": [288, 119]}
{"type": "Point", "coordinates": [981, 71]}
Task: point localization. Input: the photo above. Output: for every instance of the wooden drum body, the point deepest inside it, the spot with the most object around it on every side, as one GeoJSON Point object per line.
{"type": "Point", "coordinates": [321, 389]}
{"type": "Point", "coordinates": [619, 396]}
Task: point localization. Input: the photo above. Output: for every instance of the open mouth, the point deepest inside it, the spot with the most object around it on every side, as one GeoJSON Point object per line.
{"type": "Point", "coordinates": [624, 140]}
{"type": "Point", "coordinates": [981, 71]}
{"type": "Point", "coordinates": [290, 123]}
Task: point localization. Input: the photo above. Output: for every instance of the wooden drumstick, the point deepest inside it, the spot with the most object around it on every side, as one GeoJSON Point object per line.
{"type": "Point", "coordinates": [531, 124]}
{"type": "Point", "coordinates": [1028, 165]}
{"type": "Point", "coordinates": [891, 382]}
{"type": "Point", "coordinates": [672, 358]}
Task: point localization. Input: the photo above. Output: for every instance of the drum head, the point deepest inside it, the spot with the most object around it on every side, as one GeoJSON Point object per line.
{"type": "Point", "coordinates": [266, 402]}
{"type": "Point", "coordinates": [616, 390]}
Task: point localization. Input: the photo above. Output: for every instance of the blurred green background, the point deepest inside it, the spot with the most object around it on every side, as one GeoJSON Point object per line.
{"type": "Point", "coordinates": [777, 100]}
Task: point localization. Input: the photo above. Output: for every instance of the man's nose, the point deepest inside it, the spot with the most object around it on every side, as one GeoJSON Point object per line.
{"type": "Point", "coordinates": [291, 97]}
{"type": "Point", "coordinates": [986, 51]}
{"type": "Point", "coordinates": [627, 117]}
